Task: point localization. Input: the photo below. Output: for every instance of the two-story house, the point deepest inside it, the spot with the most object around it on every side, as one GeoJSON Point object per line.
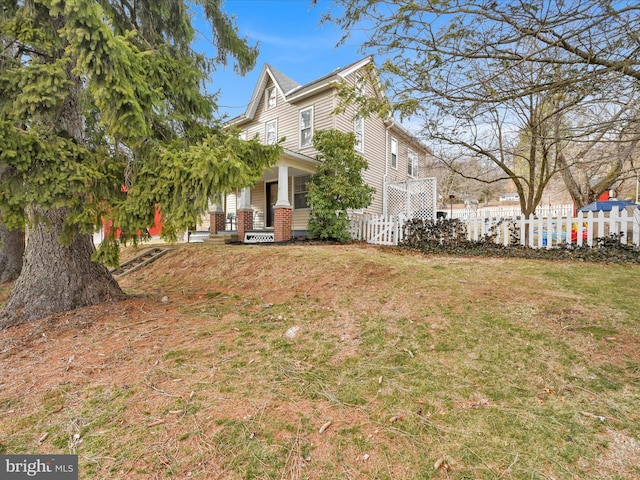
{"type": "Point", "coordinates": [276, 208]}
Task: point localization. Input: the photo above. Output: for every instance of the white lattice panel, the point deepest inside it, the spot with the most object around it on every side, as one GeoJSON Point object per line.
{"type": "Point", "coordinates": [416, 198]}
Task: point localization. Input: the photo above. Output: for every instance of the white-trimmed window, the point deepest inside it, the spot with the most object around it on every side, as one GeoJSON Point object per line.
{"type": "Point", "coordinates": [271, 132]}
{"type": "Point", "coordinates": [358, 129]}
{"type": "Point", "coordinates": [300, 190]}
{"type": "Point", "coordinates": [412, 163]}
{"type": "Point", "coordinates": [270, 98]}
{"type": "Point", "coordinates": [306, 127]}
{"type": "Point", "coordinates": [394, 153]}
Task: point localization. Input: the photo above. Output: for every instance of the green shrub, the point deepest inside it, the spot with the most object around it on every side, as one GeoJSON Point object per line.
{"type": "Point", "coordinates": [337, 186]}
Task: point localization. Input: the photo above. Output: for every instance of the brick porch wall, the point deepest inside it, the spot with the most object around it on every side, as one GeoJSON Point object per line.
{"type": "Point", "coordinates": [245, 222]}
{"type": "Point", "coordinates": [217, 222]}
{"type": "Point", "coordinates": [283, 222]}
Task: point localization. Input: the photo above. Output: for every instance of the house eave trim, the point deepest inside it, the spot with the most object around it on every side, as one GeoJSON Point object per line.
{"type": "Point", "coordinates": [300, 156]}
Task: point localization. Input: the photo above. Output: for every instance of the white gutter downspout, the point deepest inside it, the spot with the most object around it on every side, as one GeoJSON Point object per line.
{"type": "Point", "coordinates": [386, 169]}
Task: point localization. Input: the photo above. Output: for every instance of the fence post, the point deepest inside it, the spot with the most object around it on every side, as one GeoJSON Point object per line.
{"type": "Point", "coordinates": [505, 234]}
{"type": "Point", "coordinates": [624, 226]}
{"type": "Point", "coordinates": [568, 228]}
{"type": "Point", "coordinates": [615, 220]}
{"type": "Point", "coordinates": [549, 231]}
{"type": "Point", "coordinates": [591, 224]}
{"type": "Point", "coordinates": [365, 230]}
{"type": "Point", "coordinates": [523, 233]}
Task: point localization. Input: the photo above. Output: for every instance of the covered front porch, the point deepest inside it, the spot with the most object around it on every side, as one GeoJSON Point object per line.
{"type": "Point", "coordinates": [273, 210]}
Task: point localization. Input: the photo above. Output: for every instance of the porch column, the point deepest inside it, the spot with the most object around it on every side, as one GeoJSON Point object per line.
{"type": "Point", "coordinates": [216, 216]}
{"type": "Point", "coordinates": [245, 213]}
{"type": "Point", "coordinates": [282, 218]}
{"type": "Point", "coordinates": [283, 186]}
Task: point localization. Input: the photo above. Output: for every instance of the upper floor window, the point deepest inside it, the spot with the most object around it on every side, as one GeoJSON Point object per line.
{"type": "Point", "coordinates": [394, 153]}
{"type": "Point", "coordinates": [300, 190]}
{"type": "Point", "coordinates": [271, 132]}
{"type": "Point", "coordinates": [412, 163]}
{"type": "Point", "coordinates": [270, 95]}
{"type": "Point", "coordinates": [358, 129]}
{"type": "Point", "coordinates": [306, 127]}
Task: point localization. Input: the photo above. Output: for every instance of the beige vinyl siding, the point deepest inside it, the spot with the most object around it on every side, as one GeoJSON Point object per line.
{"type": "Point", "coordinates": [300, 219]}
{"type": "Point", "coordinates": [322, 107]}
{"type": "Point", "coordinates": [204, 223]}
{"type": "Point", "coordinates": [288, 118]}
{"type": "Point", "coordinates": [404, 145]}
{"type": "Point", "coordinates": [288, 125]}
{"type": "Point", "coordinates": [231, 205]}
{"type": "Point", "coordinates": [375, 153]}
{"type": "Point", "coordinates": [300, 215]}
{"type": "Point", "coordinates": [401, 174]}
{"type": "Point", "coordinates": [377, 143]}
{"type": "Point", "coordinates": [374, 150]}
{"type": "Point", "coordinates": [278, 113]}
{"type": "Point", "coordinates": [322, 117]}
{"type": "Point", "coordinates": [258, 198]}
{"type": "Point", "coordinates": [258, 204]}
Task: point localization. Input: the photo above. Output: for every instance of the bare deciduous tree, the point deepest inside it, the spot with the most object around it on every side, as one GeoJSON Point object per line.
{"type": "Point", "coordinates": [487, 75]}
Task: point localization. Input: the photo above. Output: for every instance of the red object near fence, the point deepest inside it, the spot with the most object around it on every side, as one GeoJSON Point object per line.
{"type": "Point", "coordinates": [107, 225]}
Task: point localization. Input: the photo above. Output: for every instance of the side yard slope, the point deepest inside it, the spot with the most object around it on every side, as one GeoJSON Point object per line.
{"type": "Point", "coordinates": [327, 362]}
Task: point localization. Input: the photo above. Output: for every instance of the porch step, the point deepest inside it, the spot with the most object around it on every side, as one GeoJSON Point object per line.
{"type": "Point", "coordinates": [221, 239]}
{"type": "Point", "coordinates": [143, 259]}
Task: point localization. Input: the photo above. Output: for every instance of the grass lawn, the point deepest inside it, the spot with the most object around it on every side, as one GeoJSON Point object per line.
{"type": "Point", "coordinates": [336, 362]}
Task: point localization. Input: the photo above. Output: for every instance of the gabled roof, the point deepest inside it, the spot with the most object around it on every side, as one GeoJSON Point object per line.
{"type": "Point", "coordinates": [328, 79]}
{"type": "Point", "coordinates": [397, 128]}
{"type": "Point", "coordinates": [292, 90]}
{"type": "Point", "coordinates": [281, 80]}
{"type": "Point", "coordinates": [283, 83]}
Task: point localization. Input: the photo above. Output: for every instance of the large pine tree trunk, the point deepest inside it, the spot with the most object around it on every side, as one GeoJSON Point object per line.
{"type": "Point", "coordinates": [55, 277]}
{"type": "Point", "coordinates": [11, 252]}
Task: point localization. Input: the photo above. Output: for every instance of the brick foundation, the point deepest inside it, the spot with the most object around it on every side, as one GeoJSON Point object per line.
{"type": "Point", "coordinates": [217, 222]}
{"type": "Point", "coordinates": [245, 222]}
{"type": "Point", "coordinates": [282, 224]}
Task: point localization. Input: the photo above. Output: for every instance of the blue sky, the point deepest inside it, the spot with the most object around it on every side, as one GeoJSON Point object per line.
{"type": "Point", "coordinates": [289, 37]}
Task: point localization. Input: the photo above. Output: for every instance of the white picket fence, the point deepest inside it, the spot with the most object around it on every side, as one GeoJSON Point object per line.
{"type": "Point", "coordinates": [377, 229]}
{"type": "Point", "coordinates": [560, 210]}
{"type": "Point", "coordinates": [535, 232]}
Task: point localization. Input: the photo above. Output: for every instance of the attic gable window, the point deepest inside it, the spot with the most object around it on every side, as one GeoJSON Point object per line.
{"type": "Point", "coordinates": [306, 127]}
{"type": "Point", "coordinates": [270, 95]}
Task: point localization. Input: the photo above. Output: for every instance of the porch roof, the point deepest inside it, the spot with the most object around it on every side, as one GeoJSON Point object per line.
{"type": "Point", "coordinates": [298, 163]}
{"type": "Point", "coordinates": [300, 157]}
